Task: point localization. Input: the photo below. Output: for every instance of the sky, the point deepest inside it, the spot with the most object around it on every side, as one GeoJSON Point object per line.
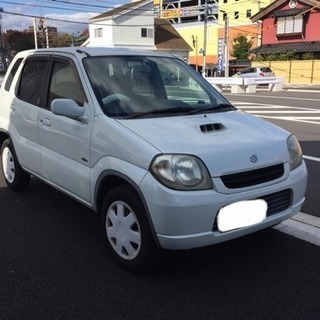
{"type": "Point", "coordinates": [69, 16]}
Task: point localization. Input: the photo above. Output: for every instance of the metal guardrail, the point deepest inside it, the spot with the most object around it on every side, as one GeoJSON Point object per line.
{"type": "Point", "coordinates": [246, 85]}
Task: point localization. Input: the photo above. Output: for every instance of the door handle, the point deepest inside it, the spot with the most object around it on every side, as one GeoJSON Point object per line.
{"type": "Point", "coordinates": [46, 122]}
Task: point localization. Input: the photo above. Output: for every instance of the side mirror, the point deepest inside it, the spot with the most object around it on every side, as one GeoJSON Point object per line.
{"type": "Point", "coordinates": [67, 107]}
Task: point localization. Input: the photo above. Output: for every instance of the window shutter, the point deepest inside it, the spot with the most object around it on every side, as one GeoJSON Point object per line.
{"type": "Point", "coordinates": [289, 25]}
{"type": "Point", "coordinates": [298, 23]}
{"type": "Point", "coordinates": [280, 25]}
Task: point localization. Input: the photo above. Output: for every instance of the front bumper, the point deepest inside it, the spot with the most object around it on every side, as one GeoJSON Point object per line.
{"type": "Point", "coordinates": [185, 220]}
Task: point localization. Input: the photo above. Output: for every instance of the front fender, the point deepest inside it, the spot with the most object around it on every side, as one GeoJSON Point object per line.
{"type": "Point", "coordinates": [111, 166]}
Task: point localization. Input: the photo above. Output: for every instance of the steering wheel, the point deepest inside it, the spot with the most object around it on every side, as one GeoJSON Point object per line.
{"type": "Point", "coordinates": [116, 103]}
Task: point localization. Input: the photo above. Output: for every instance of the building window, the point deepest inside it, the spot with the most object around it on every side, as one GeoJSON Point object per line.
{"type": "Point", "coordinates": [248, 15]}
{"type": "Point", "coordinates": [225, 1]}
{"type": "Point", "coordinates": [98, 33]}
{"type": "Point", "coordinates": [225, 15]}
{"type": "Point", "coordinates": [289, 25]}
{"type": "Point", "coordinates": [146, 33]}
{"type": "Point", "coordinates": [236, 14]}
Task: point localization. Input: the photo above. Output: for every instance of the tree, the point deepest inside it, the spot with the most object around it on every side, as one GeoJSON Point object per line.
{"type": "Point", "coordinates": [16, 41]}
{"type": "Point", "coordinates": [241, 47]}
{"type": "Point", "coordinates": [60, 40]}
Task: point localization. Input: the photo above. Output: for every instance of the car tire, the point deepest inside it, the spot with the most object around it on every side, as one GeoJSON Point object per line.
{"type": "Point", "coordinates": [15, 177]}
{"type": "Point", "coordinates": [127, 231]}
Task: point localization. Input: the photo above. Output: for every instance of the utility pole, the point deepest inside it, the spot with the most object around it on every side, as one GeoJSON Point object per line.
{"type": "Point", "coordinates": [205, 27]}
{"type": "Point", "coordinates": [3, 56]}
{"type": "Point", "coordinates": [35, 33]}
{"type": "Point", "coordinates": [226, 47]}
{"type": "Point", "coordinates": [195, 45]}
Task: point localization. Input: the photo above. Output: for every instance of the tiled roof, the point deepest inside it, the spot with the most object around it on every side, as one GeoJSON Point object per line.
{"type": "Point", "coordinates": [313, 46]}
{"type": "Point", "coordinates": [289, 12]}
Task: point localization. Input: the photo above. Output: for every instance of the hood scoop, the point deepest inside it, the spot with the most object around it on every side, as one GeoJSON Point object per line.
{"type": "Point", "coordinates": [210, 127]}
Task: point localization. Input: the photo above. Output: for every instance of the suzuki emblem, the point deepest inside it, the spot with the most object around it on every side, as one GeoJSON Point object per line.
{"type": "Point", "coordinates": [254, 158]}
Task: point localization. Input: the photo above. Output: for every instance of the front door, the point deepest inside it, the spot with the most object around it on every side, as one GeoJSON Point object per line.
{"type": "Point", "coordinates": [65, 142]}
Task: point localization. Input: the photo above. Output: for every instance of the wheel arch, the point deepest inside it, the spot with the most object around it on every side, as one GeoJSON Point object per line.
{"type": "Point", "coordinates": [111, 179]}
{"type": "Point", "coordinates": [3, 136]}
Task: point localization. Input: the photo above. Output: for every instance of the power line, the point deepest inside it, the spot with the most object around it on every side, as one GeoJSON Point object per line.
{"type": "Point", "coordinates": [40, 6]}
{"type": "Point", "coordinates": [76, 22]}
{"type": "Point", "coordinates": [65, 2]}
{"type": "Point", "coordinates": [80, 5]}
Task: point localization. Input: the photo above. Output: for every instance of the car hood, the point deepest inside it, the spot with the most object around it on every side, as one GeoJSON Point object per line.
{"type": "Point", "coordinates": [227, 142]}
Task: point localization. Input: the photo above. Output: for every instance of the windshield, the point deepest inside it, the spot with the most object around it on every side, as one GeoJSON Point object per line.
{"type": "Point", "coordinates": [141, 86]}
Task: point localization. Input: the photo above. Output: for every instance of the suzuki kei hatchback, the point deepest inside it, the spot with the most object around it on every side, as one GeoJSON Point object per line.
{"type": "Point", "coordinates": [168, 164]}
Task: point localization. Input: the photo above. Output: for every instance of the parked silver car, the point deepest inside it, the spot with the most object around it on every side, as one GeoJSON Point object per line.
{"type": "Point", "coordinates": [252, 72]}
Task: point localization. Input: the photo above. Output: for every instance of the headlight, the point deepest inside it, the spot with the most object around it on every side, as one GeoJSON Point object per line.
{"type": "Point", "coordinates": [295, 152]}
{"type": "Point", "coordinates": [181, 172]}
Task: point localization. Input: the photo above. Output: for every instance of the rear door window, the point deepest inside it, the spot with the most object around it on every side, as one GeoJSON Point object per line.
{"type": "Point", "coordinates": [266, 69]}
{"type": "Point", "coordinates": [32, 80]}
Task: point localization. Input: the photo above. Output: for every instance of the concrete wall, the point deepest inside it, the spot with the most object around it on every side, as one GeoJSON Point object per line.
{"type": "Point", "coordinates": [295, 71]}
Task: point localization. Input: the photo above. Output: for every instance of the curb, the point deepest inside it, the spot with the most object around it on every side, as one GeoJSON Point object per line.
{"type": "Point", "coordinates": [302, 226]}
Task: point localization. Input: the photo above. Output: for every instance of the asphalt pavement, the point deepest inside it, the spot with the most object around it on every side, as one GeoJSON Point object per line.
{"type": "Point", "coordinates": [54, 266]}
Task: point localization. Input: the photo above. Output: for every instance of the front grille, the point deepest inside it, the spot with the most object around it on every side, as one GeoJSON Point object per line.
{"type": "Point", "coordinates": [277, 202]}
{"type": "Point", "coordinates": [254, 177]}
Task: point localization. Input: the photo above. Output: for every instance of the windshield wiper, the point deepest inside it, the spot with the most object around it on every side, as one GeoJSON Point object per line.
{"type": "Point", "coordinates": [161, 111]}
{"type": "Point", "coordinates": [219, 107]}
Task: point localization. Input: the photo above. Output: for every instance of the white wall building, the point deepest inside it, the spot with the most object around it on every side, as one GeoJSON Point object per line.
{"type": "Point", "coordinates": [130, 25]}
{"type": "Point", "coordinates": [134, 25]}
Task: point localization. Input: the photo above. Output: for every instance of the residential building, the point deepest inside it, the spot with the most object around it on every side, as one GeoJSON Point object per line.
{"type": "Point", "coordinates": [133, 25]}
{"type": "Point", "coordinates": [290, 25]}
{"type": "Point", "coordinates": [129, 25]}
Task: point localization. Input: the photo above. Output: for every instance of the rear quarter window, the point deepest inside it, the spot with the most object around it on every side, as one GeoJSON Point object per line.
{"type": "Point", "coordinates": [266, 69]}
{"type": "Point", "coordinates": [11, 74]}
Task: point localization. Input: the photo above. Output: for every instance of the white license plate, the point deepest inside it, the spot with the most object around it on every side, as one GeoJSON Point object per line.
{"type": "Point", "coordinates": [241, 214]}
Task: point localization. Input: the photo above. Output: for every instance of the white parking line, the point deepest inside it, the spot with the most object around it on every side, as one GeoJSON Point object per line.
{"type": "Point", "coordinates": [296, 119]}
{"type": "Point", "coordinates": [311, 158]}
{"type": "Point", "coordinates": [279, 97]}
{"type": "Point", "coordinates": [286, 112]}
{"type": "Point", "coordinates": [269, 107]}
{"type": "Point", "coordinates": [280, 112]}
{"type": "Point", "coordinates": [302, 226]}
